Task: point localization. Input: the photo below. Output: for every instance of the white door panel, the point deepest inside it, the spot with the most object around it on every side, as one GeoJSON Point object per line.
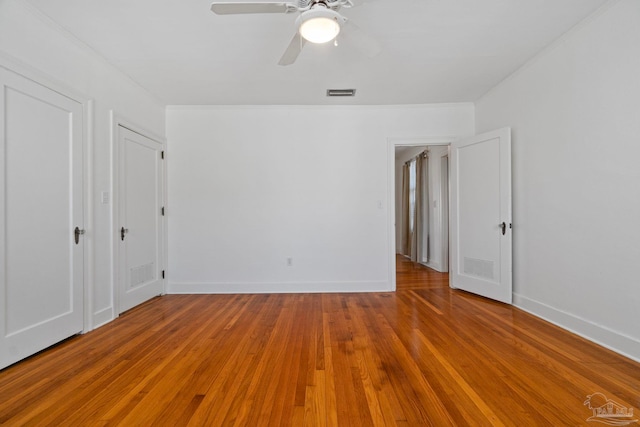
{"type": "Point", "coordinates": [41, 286]}
{"type": "Point", "coordinates": [480, 203]}
{"type": "Point", "coordinates": [140, 216]}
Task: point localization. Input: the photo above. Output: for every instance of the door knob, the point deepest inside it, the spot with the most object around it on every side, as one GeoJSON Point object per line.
{"type": "Point", "coordinates": [504, 227]}
{"type": "Point", "coordinates": [123, 231]}
{"type": "Point", "coordinates": [77, 233]}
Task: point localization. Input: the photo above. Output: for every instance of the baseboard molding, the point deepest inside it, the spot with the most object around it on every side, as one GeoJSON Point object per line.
{"type": "Point", "coordinates": [622, 344]}
{"type": "Point", "coordinates": [276, 288]}
{"type": "Point", "coordinates": [102, 317]}
{"type": "Point", "coordinates": [434, 265]}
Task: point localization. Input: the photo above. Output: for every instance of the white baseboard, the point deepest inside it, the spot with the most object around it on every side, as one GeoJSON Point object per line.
{"type": "Point", "coordinates": [434, 265]}
{"type": "Point", "coordinates": [102, 317]}
{"type": "Point", "coordinates": [623, 344]}
{"type": "Point", "coordinates": [277, 288]}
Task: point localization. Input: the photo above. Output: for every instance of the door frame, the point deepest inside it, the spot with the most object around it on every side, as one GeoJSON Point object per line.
{"type": "Point", "coordinates": [392, 143]}
{"type": "Point", "coordinates": [118, 121]}
{"type": "Point", "coordinates": [444, 208]}
{"type": "Point", "coordinates": [15, 65]}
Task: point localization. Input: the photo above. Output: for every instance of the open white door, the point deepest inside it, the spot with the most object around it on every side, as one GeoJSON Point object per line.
{"type": "Point", "coordinates": [481, 215]}
{"type": "Point", "coordinates": [140, 219]}
{"type": "Point", "coordinates": [41, 217]}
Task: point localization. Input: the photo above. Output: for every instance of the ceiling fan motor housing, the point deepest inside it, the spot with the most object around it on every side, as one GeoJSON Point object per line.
{"type": "Point", "coordinates": [304, 5]}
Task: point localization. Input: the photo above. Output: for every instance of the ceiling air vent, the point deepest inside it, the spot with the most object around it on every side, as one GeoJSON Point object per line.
{"type": "Point", "coordinates": [341, 92]}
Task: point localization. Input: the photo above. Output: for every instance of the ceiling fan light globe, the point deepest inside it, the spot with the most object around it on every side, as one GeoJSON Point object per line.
{"type": "Point", "coordinates": [319, 25]}
{"type": "Point", "coordinates": [319, 30]}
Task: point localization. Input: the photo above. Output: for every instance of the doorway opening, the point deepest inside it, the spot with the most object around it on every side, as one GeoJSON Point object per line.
{"type": "Point", "coordinates": [420, 196]}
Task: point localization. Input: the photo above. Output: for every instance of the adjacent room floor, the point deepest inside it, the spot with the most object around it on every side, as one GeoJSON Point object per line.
{"type": "Point", "coordinates": [424, 355]}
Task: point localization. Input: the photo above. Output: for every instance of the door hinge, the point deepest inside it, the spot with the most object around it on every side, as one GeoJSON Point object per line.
{"type": "Point", "coordinates": [162, 154]}
{"type": "Point", "coordinates": [163, 274]}
{"type": "Point", "coordinates": [162, 211]}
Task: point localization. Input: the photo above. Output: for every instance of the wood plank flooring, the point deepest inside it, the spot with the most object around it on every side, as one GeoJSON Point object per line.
{"type": "Point", "coordinates": [424, 355]}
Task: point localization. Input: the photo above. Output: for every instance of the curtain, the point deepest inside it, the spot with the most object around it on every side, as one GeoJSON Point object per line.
{"type": "Point", "coordinates": [406, 226]}
{"type": "Point", "coordinates": [415, 209]}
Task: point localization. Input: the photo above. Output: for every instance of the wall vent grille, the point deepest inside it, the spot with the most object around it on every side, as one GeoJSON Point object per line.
{"type": "Point", "coordinates": [479, 268]}
{"type": "Point", "coordinates": [341, 92]}
{"type": "Point", "coordinates": [141, 274]}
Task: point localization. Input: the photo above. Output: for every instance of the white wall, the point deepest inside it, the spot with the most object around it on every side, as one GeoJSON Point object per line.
{"type": "Point", "coordinates": [437, 232]}
{"type": "Point", "coordinates": [32, 42]}
{"type": "Point", "coordinates": [575, 115]}
{"type": "Point", "coordinates": [251, 186]}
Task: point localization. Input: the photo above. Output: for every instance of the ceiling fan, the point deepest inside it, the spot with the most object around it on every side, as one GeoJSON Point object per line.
{"type": "Point", "coordinates": [318, 22]}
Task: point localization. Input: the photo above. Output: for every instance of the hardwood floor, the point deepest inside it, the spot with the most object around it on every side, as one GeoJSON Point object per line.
{"type": "Point", "coordinates": [425, 355]}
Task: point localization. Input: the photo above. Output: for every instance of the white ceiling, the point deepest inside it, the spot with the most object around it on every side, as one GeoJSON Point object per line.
{"type": "Point", "coordinates": [433, 50]}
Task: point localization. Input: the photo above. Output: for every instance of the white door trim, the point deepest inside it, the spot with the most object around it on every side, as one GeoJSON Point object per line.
{"type": "Point", "coordinates": [119, 121]}
{"type": "Point", "coordinates": [445, 190]}
{"type": "Point", "coordinates": [392, 143]}
{"type": "Point", "coordinates": [15, 65]}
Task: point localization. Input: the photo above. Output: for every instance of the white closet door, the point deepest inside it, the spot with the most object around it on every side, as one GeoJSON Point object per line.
{"type": "Point", "coordinates": [140, 219]}
{"type": "Point", "coordinates": [41, 189]}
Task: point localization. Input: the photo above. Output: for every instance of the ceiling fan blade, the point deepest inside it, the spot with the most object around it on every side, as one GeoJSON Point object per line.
{"type": "Point", "coordinates": [359, 39]}
{"type": "Point", "coordinates": [228, 8]}
{"type": "Point", "coordinates": [293, 50]}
